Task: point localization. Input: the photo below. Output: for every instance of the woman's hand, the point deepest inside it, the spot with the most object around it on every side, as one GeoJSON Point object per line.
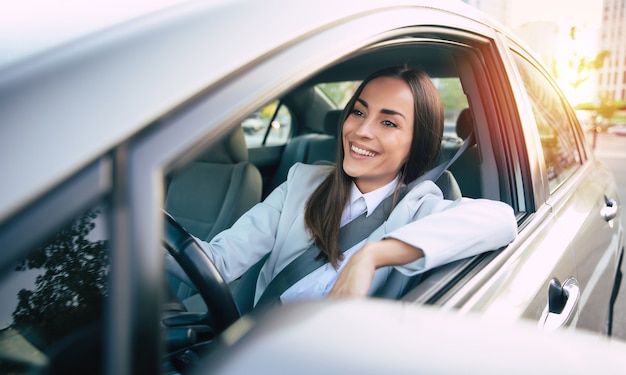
{"type": "Point", "coordinates": [356, 276]}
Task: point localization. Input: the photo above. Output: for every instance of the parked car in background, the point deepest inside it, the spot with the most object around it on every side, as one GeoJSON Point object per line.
{"type": "Point", "coordinates": [252, 124]}
{"type": "Point", "coordinates": [619, 129]}
{"type": "Point", "coordinates": [103, 133]}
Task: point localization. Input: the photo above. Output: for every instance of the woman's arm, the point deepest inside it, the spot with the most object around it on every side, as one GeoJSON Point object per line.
{"type": "Point", "coordinates": [456, 230]}
{"type": "Point", "coordinates": [236, 249]}
{"type": "Point", "coordinates": [256, 233]}
{"type": "Point", "coordinates": [438, 233]}
{"type": "Point", "coordinates": [357, 274]}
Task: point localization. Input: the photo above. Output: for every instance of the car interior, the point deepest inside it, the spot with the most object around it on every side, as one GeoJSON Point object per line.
{"type": "Point", "coordinates": [302, 125]}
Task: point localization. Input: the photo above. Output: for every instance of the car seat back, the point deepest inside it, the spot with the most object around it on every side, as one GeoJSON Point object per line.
{"type": "Point", "coordinates": [211, 193]}
{"type": "Point", "coordinates": [309, 149]}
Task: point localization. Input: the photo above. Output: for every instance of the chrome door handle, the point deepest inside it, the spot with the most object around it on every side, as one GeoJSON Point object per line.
{"type": "Point", "coordinates": [562, 303]}
{"type": "Point", "coordinates": [609, 211]}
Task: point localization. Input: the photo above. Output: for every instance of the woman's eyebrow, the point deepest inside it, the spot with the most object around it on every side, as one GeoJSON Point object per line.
{"type": "Point", "coordinates": [385, 111]}
{"type": "Point", "coordinates": [392, 112]}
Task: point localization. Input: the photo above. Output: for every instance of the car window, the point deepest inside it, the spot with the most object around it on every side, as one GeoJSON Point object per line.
{"type": "Point", "coordinates": [454, 101]}
{"type": "Point", "coordinates": [54, 297]}
{"type": "Point", "coordinates": [560, 149]}
{"type": "Point", "coordinates": [339, 92]}
{"type": "Point", "coordinates": [268, 126]}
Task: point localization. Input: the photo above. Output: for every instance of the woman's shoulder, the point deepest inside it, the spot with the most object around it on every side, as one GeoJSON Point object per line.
{"type": "Point", "coordinates": [423, 189]}
{"type": "Point", "coordinates": [301, 172]}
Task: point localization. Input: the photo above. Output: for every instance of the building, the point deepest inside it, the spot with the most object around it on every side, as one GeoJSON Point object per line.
{"type": "Point", "coordinates": [612, 77]}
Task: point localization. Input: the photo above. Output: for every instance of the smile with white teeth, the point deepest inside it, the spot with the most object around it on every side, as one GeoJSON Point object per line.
{"type": "Point", "coordinates": [360, 151]}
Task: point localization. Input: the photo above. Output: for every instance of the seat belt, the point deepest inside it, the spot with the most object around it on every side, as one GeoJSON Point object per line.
{"type": "Point", "coordinates": [349, 235]}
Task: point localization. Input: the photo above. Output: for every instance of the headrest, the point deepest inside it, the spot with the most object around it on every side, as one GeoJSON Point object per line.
{"type": "Point", "coordinates": [331, 122]}
{"type": "Point", "coordinates": [231, 149]}
{"type": "Point", "coordinates": [464, 124]}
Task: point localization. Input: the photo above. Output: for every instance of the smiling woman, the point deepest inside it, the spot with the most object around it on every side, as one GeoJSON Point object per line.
{"type": "Point", "coordinates": [378, 136]}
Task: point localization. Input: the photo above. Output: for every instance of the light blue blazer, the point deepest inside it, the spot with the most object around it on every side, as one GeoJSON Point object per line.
{"type": "Point", "coordinates": [445, 230]}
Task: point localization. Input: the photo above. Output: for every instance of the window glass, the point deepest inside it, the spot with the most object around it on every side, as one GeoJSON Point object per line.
{"type": "Point", "coordinates": [560, 150]}
{"type": "Point", "coordinates": [261, 130]}
{"type": "Point", "coordinates": [339, 92]}
{"type": "Point", "coordinates": [454, 101]}
{"type": "Point", "coordinates": [54, 296]}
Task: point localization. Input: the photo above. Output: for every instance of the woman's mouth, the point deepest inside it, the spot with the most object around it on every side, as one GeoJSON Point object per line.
{"type": "Point", "coordinates": [360, 151]}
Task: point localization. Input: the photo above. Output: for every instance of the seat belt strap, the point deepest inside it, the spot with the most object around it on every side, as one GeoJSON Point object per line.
{"type": "Point", "coordinates": [349, 235]}
{"type": "Point", "coordinates": [310, 260]}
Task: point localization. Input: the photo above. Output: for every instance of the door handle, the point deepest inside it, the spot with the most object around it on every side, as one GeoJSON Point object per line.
{"type": "Point", "coordinates": [609, 211]}
{"type": "Point", "coordinates": [562, 303]}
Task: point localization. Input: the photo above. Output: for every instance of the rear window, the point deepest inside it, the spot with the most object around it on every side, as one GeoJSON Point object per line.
{"type": "Point", "coordinates": [454, 101]}
{"type": "Point", "coordinates": [339, 92]}
{"type": "Point", "coordinates": [270, 125]}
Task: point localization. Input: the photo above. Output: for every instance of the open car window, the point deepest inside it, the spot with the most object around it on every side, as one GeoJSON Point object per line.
{"type": "Point", "coordinates": [452, 67]}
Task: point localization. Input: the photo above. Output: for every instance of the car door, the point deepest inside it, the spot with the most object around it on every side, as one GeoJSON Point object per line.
{"type": "Point", "coordinates": [582, 196]}
{"type": "Point", "coordinates": [558, 272]}
{"type": "Point", "coordinates": [515, 282]}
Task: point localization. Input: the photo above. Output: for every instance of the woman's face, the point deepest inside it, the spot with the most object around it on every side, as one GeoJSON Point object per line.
{"type": "Point", "coordinates": [378, 132]}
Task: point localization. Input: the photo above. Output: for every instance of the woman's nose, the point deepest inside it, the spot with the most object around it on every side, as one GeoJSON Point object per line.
{"type": "Point", "coordinates": [365, 128]}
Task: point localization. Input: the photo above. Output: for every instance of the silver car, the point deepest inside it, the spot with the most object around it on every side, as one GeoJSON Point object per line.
{"type": "Point", "coordinates": [119, 143]}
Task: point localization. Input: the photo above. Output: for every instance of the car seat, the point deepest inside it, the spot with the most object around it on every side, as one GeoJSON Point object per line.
{"type": "Point", "coordinates": [211, 193]}
{"type": "Point", "coordinates": [309, 149]}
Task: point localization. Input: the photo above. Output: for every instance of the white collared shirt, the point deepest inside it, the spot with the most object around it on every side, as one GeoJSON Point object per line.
{"type": "Point", "coordinates": [318, 283]}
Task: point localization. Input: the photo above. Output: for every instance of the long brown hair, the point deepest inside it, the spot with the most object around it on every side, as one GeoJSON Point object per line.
{"type": "Point", "coordinates": [323, 210]}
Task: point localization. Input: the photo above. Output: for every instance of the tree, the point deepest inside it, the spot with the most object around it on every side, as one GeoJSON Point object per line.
{"type": "Point", "coordinates": [69, 291]}
{"type": "Point", "coordinates": [452, 96]}
{"type": "Point", "coordinates": [339, 92]}
{"type": "Point", "coordinates": [606, 106]}
{"type": "Point", "coordinates": [580, 65]}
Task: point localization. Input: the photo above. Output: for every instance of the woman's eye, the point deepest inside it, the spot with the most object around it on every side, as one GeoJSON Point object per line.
{"type": "Point", "coordinates": [390, 124]}
{"type": "Point", "coordinates": [356, 112]}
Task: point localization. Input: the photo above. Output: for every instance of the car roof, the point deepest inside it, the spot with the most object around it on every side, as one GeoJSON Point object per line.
{"type": "Point", "coordinates": [64, 103]}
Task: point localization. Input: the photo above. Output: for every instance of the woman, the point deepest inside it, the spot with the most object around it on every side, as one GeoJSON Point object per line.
{"type": "Point", "coordinates": [391, 134]}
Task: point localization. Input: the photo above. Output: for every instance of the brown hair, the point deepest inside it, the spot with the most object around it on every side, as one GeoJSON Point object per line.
{"type": "Point", "coordinates": [323, 210]}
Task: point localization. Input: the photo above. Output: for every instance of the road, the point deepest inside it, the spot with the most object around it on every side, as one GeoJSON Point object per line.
{"type": "Point", "coordinates": [611, 150]}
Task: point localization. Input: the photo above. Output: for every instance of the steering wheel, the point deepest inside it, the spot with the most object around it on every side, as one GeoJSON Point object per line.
{"type": "Point", "coordinates": [202, 273]}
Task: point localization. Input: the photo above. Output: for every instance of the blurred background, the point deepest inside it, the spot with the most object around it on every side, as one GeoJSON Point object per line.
{"type": "Point", "coordinates": [583, 45]}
